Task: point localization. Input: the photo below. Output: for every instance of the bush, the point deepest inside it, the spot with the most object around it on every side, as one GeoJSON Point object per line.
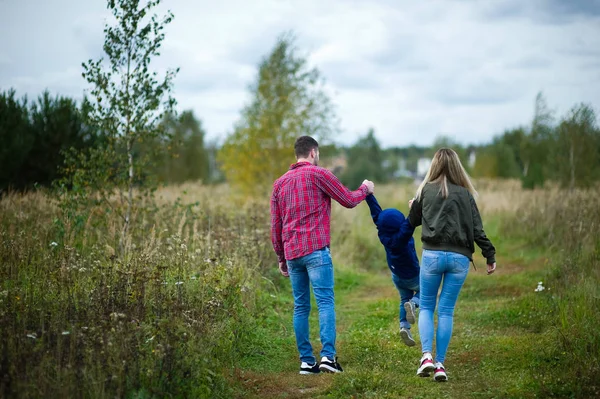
{"type": "Point", "coordinates": [77, 321]}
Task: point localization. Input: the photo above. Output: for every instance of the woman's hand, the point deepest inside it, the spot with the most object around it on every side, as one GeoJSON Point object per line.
{"type": "Point", "coordinates": [410, 203]}
{"type": "Point", "coordinates": [491, 268]}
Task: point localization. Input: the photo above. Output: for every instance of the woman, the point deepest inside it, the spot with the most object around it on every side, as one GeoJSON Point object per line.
{"type": "Point", "coordinates": [446, 208]}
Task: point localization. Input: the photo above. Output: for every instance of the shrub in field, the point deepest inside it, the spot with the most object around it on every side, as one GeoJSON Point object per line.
{"type": "Point", "coordinates": [567, 224]}
{"type": "Point", "coordinates": [168, 319]}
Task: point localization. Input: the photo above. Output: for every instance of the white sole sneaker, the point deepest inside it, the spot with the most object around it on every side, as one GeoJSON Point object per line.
{"type": "Point", "coordinates": [440, 373]}
{"type": "Point", "coordinates": [411, 317]}
{"type": "Point", "coordinates": [440, 376]}
{"type": "Point", "coordinates": [426, 369]}
{"type": "Point", "coordinates": [406, 338]}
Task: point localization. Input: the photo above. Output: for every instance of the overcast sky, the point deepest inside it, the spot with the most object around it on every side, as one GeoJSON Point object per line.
{"type": "Point", "coordinates": [410, 69]}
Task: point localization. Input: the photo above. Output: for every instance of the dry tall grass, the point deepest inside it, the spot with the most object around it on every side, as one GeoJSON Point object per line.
{"type": "Point", "coordinates": [79, 321]}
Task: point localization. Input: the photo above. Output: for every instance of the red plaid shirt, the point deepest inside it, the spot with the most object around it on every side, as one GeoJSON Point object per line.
{"type": "Point", "coordinates": [301, 209]}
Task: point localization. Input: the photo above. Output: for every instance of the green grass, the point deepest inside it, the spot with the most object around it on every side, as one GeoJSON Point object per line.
{"type": "Point", "coordinates": [503, 345]}
{"type": "Point", "coordinates": [198, 309]}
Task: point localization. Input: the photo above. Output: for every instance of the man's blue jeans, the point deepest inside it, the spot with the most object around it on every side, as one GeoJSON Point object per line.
{"type": "Point", "coordinates": [435, 266]}
{"type": "Point", "coordinates": [409, 291]}
{"type": "Point", "coordinates": [313, 269]}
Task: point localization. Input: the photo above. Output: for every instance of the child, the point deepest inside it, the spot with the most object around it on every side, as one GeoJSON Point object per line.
{"type": "Point", "coordinates": [395, 233]}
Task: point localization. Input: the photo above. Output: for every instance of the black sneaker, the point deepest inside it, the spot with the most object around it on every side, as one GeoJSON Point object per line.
{"type": "Point", "coordinates": [306, 368]}
{"type": "Point", "coordinates": [330, 366]}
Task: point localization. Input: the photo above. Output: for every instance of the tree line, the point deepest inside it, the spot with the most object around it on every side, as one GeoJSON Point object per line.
{"type": "Point", "coordinates": [36, 138]}
{"type": "Point", "coordinates": [566, 151]}
{"type": "Point", "coordinates": [288, 100]}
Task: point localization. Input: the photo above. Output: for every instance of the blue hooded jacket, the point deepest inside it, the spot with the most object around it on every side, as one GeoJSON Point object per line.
{"type": "Point", "coordinates": [395, 233]}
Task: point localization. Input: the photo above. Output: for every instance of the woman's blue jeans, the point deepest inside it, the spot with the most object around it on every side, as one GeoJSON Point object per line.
{"type": "Point", "coordinates": [314, 269]}
{"type": "Point", "coordinates": [450, 270]}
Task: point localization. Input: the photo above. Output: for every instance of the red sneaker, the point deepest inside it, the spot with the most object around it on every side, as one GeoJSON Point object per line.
{"type": "Point", "coordinates": [426, 367]}
{"type": "Point", "coordinates": [440, 373]}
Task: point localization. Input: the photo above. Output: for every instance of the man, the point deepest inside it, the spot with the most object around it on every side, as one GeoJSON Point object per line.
{"type": "Point", "coordinates": [300, 232]}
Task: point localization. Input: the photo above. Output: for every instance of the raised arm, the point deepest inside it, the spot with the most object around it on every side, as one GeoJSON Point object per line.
{"type": "Point", "coordinates": [373, 207]}
{"type": "Point", "coordinates": [332, 186]}
{"type": "Point", "coordinates": [276, 228]}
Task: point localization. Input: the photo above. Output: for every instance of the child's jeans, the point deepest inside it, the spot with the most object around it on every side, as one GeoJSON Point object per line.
{"type": "Point", "coordinates": [409, 291]}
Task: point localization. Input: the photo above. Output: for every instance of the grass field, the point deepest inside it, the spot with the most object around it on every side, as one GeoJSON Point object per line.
{"type": "Point", "coordinates": [198, 309]}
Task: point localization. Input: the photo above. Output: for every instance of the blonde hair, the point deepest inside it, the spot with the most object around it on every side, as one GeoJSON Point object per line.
{"type": "Point", "coordinates": [446, 167]}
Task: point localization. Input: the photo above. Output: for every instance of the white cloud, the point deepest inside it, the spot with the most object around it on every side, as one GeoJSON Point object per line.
{"type": "Point", "coordinates": [412, 70]}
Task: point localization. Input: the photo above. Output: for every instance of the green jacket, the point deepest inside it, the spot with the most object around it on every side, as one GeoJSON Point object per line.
{"type": "Point", "coordinates": [450, 224]}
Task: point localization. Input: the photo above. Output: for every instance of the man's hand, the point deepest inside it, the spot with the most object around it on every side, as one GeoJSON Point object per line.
{"type": "Point", "coordinates": [491, 268]}
{"type": "Point", "coordinates": [283, 269]}
{"type": "Point", "coordinates": [370, 186]}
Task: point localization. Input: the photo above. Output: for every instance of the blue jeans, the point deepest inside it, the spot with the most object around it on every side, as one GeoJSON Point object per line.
{"type": "Point", "coordinates": [435, 266]}
{"type": "Point", "coordinates": [409, 291]}
{"type": "Point", "coordinates": [316, 269]}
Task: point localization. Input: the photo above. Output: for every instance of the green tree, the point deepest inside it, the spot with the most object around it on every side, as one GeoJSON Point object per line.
{"type": "Point", "coordinates": [536, 145]}
{"type": "Point", "coordinates": [57, 125]}
{"type": "Point", "coordinates": [16, 139]}
{"type": "Point", "coordinates": [501, 158]}
{"type": "Point", "coordinates": [127, 103]}
{"type": "Point", "coordinates": [34, 136]}
{"type": "Point", "coordinates": [515, 140]}
{"type": "Point", "coordinates": [486, 162]}
{"type": "Point", "coordinates": [577, 155]}
{"type": "Point", "coordinates": [364, 161]}
{"type": "Point", "coordinates": [288, 101]}
{"type": "Point", "coordinates": [187, 159]}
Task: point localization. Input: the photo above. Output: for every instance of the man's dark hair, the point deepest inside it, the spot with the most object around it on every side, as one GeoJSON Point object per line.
{"type": "Point", "coordinates": [304, 145]}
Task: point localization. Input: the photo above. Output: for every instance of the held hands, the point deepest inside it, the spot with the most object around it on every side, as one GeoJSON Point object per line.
{"type": "Point", "coordinates": [283, 269]}
{"type": "Point", "coordinates": [491, 268]}
{"type": "Point", "coordinates": [370, 186]}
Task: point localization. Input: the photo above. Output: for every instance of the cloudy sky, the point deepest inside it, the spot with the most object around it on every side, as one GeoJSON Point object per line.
{"type": "Point", "coordinates": [412, 70]}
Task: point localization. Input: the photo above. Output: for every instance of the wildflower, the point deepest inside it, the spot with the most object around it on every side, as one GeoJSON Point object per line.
{"type": "Point", "coordinates": [170, 248]}
{"type": "Point", "coordinates": [151, 339]}
{"type": "Point", "coordinates": [194, 278]}
{"type": "Point", "coordinates": [116, 316]}
{"type": "Point", "coordinates": [32, 336]}
{"type": "Point", "coordinates": [66, 332]}
{"type": "Point", "coordinates": [183, 246]}
{"type": "Point", "coordinates": [198, 251]}
{"type": "Point", "coordinates": [53, 244]}
{"type": "Point", "coordinates": [179, 283]}
{"type": "Point", "coordinates": [540, 287]}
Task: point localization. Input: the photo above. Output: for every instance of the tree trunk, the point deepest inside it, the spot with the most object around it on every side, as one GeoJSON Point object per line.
{"type": "Point", "coordinates": [129, 197]}
{"type": "Point", "coordinates": [129, 137]}
{"type": "Point", "coordinates": [572, 166]}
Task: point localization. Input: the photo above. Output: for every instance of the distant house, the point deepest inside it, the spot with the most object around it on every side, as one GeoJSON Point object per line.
{"type": "Point", "coordinates": [472, 159]}
{"type": "Point", "coordinates": [423, 165]}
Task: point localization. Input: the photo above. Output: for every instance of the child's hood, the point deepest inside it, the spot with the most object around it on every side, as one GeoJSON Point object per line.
{"type": "Point", "coordinates": [389, 221]}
